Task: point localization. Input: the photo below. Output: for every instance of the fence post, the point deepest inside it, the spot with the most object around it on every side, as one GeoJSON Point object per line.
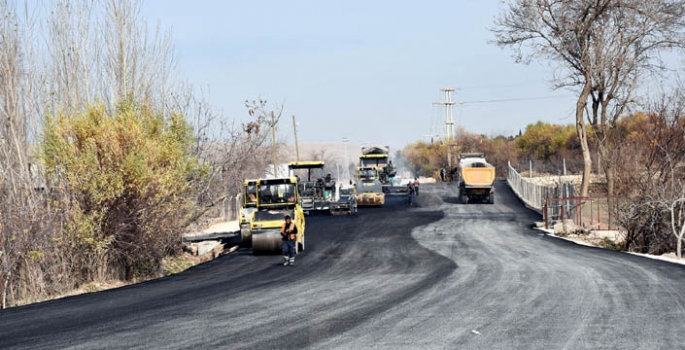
{"type": "Point", "coordinates": [609, 210]}
{"type": "Point", "coordinates": [530, 168]}
{"type": "Point", "coordinates": [599, 216]}
{"type": "Point", "coordinates": [546, 214]}
{"type": "Point", "coordinates": [564, 166]}
{"type": "Point", "coordinates": [238, 198]}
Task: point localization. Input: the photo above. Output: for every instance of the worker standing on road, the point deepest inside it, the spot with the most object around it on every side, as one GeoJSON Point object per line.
{"type": "Point", "coordinates": [416, 186]}
{"type": "Point", "coordinates": [289, 236]}
{"type": "Point", "coordinates": [410, 187]}
{"type": "Point", "coordinates": [443, 173]}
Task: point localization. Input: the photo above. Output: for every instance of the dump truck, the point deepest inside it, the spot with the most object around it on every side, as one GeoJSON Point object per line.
{"type": "Point", "coordinates": [369, 188]}
{"type": "Point", "coordinates": [276, 198]}
{"type": "Point", "coordinates": [249, 205]}
{"type": "Point", "coordinates": [315, 192]}
{"type": "Point", "coordinates": [476, 178]}
{"type": "Point", "coordinates": [378, 157]}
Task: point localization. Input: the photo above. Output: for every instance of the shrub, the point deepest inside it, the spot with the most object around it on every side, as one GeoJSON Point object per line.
{"type": "Point", "coordinates": [124, 181]}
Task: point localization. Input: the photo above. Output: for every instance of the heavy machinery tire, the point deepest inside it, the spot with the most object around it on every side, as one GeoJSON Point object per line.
{"type": "Point", "coordinates": [300, 246]}
{"type": "Point", "coordinates": [245, 237]}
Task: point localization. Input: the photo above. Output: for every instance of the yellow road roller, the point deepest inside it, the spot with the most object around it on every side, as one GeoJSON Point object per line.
{"type": "Point", "coordinates": [369, 188]}
{"type": "Point", "coordinates": [276, 198]}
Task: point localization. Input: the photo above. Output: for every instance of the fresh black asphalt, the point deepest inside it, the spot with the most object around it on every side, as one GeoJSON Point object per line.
{"type": "Point", "coordinates": [441, 275]}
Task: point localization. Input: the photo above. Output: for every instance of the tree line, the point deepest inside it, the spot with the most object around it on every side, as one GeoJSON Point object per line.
{"type": "Point", "coordinates": [106, 156]}
{"type": "Point", "coordinates": [648, 151]}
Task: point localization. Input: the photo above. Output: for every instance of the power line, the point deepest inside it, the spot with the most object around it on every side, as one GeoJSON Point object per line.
{"type": "Point", "coordinates": [499, 86]}
{"type": "Point", "coordinates": [517, 99]}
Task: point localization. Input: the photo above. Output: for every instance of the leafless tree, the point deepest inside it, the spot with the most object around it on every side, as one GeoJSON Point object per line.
{"type": "Point", "coordinates": [653, 168]}
{"type": "Point", "coordinates": [235, 151]}
{"type": "Point", "coordinates": [60, 58]}
{"type": "Point", "coordinates": [103, 50]}
{"type": "Point", "coordinates": [25, 221]}
{"type": "Point", "coordinates": [676, 211]}
{"type": "Point", "coordinates": [600, 48]}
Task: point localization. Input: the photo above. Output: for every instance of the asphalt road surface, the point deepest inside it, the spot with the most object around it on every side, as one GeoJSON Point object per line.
{"type": "Point", "coordinates": [438, 276]}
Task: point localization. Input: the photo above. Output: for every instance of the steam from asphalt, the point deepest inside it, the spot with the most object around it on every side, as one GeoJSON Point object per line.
{"type": "Point", "coordinates": [403, 168]}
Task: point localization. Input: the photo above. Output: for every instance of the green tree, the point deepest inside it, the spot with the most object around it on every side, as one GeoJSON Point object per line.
{"type": "Point", "coordinates": [544, 140]}
{"type": "Point", "coordinates": [125, 181]}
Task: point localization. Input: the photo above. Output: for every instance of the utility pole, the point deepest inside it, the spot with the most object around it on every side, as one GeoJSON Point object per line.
{"type": "Point", "coordinates": [273, 133]}
{"type": "Point", "coordinates": [297, 148]}
{"type": "Point", "coordinates": [346, 168]}
{"type": "Point", "coordinates": [449, 121]}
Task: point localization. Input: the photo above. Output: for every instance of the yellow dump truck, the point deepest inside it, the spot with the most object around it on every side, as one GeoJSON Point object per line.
{"type": "Point", "coordinates": [476, 178]}
{"type": "Point", "coordinates": [276, 198]}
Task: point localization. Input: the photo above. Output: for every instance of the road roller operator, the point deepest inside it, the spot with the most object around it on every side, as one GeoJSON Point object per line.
{"type": "Point", "coordinates": [289, 236]}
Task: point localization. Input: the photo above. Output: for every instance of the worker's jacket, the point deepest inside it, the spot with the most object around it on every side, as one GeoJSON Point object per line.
{"type": "Point", "coordinates": [289, 233]}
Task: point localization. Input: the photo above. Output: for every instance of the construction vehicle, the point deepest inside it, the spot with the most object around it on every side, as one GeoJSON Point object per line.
{"type": "Point", "coordinates": [312, 192]}
{"type": "Point", "coordinates": [248, 207]}
{"type": "Point", "coordinates": [276, 198]}
{"type": "Point", "coordinates": [346, 202]}
{"type": "Point", "coordinates": [476, 178]}
{"type": "Point", "coordinates": [328, 188]}
{"type": "Point", "coordinates": [378, 157]}
{"type": "Point", "coordinates": [369, 188]}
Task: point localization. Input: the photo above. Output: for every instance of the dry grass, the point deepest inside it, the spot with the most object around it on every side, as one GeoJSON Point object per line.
{"type": "Point", "coordinates": [170, 265]}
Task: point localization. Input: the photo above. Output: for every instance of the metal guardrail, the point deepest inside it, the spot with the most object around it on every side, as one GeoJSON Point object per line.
{"type": "Point", "coordinates": [535, 195]}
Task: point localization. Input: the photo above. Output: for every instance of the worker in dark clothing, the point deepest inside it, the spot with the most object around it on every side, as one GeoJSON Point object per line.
{"type": "Point", "coordinates": [453, 174]}
{"type": "Point", "coordinates": [289, 236]}
{"type": "Point", "coordinates": [410, 187]}
{"type": "Point", "coordinates": [443, 174]}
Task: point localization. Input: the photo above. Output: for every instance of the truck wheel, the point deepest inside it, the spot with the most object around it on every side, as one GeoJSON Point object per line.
{"type": "Point", "coordinates": [491, 198]}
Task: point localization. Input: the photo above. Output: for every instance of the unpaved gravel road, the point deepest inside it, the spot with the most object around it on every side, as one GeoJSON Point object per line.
{"type": "Point", "coordinates": [438, 276]}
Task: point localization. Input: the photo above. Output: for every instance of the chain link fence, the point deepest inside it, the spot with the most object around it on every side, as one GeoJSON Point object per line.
{"type": "Point", "coordinates": [535, 195]}
{"type": "Point", "coordinates": [588, 213]}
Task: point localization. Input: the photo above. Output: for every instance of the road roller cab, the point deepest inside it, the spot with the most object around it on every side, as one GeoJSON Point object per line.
{"type": "Point", "coordinates": [249, 205]}
{"type": "Point", "coordinates": [276, 198]}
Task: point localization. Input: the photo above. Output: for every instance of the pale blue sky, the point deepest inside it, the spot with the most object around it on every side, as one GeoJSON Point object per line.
{"type": "Point", "coordinates": [367, 70]}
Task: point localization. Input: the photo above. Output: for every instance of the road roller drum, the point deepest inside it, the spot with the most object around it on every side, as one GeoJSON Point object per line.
{"type": "Point", "coordinates": [266, 241]}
